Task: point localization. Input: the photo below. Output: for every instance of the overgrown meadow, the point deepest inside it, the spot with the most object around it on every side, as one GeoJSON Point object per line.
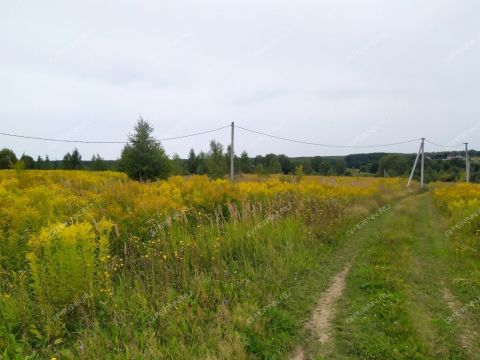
{"type": "Point", "coordinates": [94, 265]}
{"type": "Point", "coordinates": [460, 203]}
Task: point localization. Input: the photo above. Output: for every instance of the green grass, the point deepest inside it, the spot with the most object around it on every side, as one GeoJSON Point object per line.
{"type": "Point", "coordinates": [228, 295]}
{"type": "Point", "coordinates": [396, 284]}
{"type": "Point", "coordinates": [197, 305]}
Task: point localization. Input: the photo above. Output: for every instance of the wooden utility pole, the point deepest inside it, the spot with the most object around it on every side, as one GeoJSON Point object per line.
{"type": "Point", "coordinates": [232, 154]}
{"type": "Point", "coordinates": [421, 152]}
{"type": "Point", "coordinates": [467, 161]}
{"type": "Point", "coordinates": [422, 176]}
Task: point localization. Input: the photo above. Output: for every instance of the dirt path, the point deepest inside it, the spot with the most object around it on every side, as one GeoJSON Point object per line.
{"type": "Point", "coordinates": [467, 333]}
{"type": "Point", "coordinates": [299, 355]}
{"type": "Point", "coordinates": [397, 288]}
{"type": "Point", "coordinates": [324, 313]}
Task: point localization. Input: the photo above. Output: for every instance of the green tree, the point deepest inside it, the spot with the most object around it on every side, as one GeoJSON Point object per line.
{"type": "Point", "coordinates": [286, 163]}
{"type": "Point", "coordinates": [177, 165]}
{"type": "Point", "coordinates": [39, 164]}
{"type": "Point", "coordinates": [307, 166]}
{"type": "Point", "coordinates": [144, 158]}
{"type": "Point", "coordinates": [76, 160]}
{"type": "Point", "coordinates": [340, 167]}
{"type": "Point", "coordinates": [201, 163]}
{"type": "Point", "coordinates": [245, 163]}
{"type": "Point", "coordinates": [66, 161]}
{"type": "Point", "coordinates": [216, 167]}
{"type": "Point", "coordinates": [272, 164]}
{"type": "Point", "coordinates": [192, 162]}
{"type": "Point", "coordinates": [299, 173]}
{"type": "Point", "coordinates": [259, 159]}
{"type": "Point", "coordinates": [28, 162]}
{"type": "Point", "coordinates": [72, 161]}
{"type": "Point", "coordinates": [19, 167]}
{"type": "Point", "coordinates": [7, 158]}
{"type": "Point", "coordinates": [315, 163]}
{"type": "Point", "coordinates": [325, 168]}
{"type": "Point", "coordinates": [259, 169]}
{"type": "Point", "coordinates": [393, 165]}
{"type": "Point", "coordinates": [47, 164]}
{"type": "Point", "coordinates": [98, 163]}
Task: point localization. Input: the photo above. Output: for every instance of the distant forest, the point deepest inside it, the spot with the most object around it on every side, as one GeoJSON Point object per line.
{"type": "Point", "coordinates": [439, 166]}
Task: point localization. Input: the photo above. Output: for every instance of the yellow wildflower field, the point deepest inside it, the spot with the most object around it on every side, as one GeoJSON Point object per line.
{"type": "Point", "coordinates": [79, 249]}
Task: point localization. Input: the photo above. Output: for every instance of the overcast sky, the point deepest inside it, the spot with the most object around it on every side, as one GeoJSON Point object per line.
{"type": "Point", "coordinates": [344, 72]}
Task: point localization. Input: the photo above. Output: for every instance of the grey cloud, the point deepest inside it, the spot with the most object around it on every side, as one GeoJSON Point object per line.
{"type": "Point", "coordinates": [327, 71]}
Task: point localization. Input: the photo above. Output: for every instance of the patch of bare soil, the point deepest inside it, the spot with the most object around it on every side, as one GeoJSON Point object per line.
{"type": "Point", "coordinates": [467, 334]}
{"type": "Point", "coordinates": [324, 313]}
{"type": "Point", "coordinates": [299, 354]}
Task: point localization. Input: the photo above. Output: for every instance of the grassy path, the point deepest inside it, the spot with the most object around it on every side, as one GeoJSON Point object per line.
{"type": "Point", "coordinates": [397, 301]}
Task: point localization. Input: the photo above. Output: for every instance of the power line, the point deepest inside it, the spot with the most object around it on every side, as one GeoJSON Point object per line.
{"type": "Point", "coordinates": [62, 140]}
{"type": "Point", "coordinates": [195, 134]}
{"type": "Point", "coordinates": [108, 142]}
{"type": "Point", "coordinates": [239, 127]}
{"type": "Point", "coordinates": [444, 146]}
{"type": "Point", "coordinates": [326, 145]}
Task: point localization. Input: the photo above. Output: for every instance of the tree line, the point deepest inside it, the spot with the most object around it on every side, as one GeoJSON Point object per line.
{"type": "Point", "coordinates": [144, 158]}
{"type": "Point", "coordinates": [71, 161]}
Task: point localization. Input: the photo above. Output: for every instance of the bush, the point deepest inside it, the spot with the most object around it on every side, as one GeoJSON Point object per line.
{"type": "Point", "coordinates": [68, 262]}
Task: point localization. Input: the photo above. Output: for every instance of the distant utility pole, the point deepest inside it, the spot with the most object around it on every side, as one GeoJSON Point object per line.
{"type": "Point", "coordinates": [467, 161]}
{"type": "Point", "coordinates": [232, 154]}
{"type": "Point", "coordinates": [422, 181]}
{"type": "Point", "coordinates": [421, 152]}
